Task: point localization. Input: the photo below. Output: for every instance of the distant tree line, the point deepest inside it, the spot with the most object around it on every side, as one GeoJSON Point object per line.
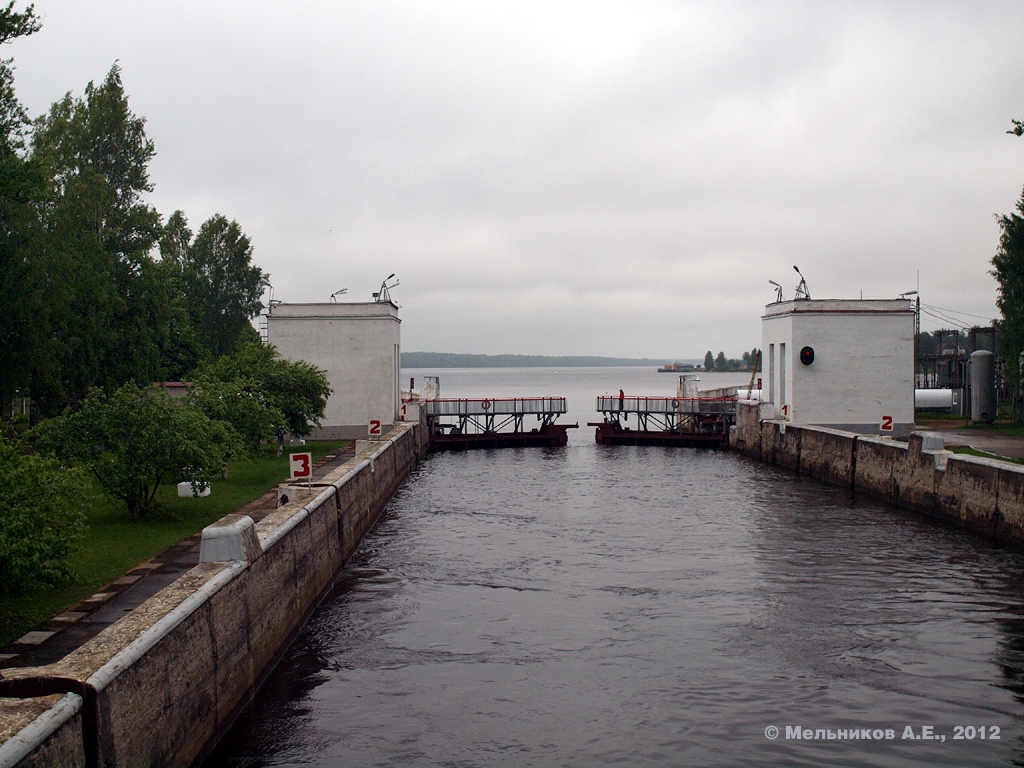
{"type": "Point", "coordinates": [721, 363]}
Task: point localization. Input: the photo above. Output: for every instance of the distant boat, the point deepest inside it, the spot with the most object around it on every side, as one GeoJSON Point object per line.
{"type": "Point", "coordinates": [677, 368]}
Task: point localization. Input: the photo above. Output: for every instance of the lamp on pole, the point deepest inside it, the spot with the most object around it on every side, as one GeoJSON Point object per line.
{"type": "Point", "coordinates": [801, 287]}
{"type": "Point", "coordinates": [383, 294]}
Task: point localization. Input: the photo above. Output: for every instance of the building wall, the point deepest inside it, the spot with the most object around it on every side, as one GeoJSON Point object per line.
{"type": "Point", "coordinates": [358, 344]}
{"type": "Point", "coordinates": [863, 368]}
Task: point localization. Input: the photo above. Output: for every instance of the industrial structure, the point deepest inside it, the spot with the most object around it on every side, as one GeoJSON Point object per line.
{"type": "Point", "coordinates": [947, 367]}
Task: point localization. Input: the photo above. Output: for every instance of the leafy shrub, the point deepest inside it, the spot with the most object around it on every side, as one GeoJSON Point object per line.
{"type": "Point", "coordinates": [42, 517]}
{"type": "Point", "coordinates": [134, 439]}
{"type": "Point", "coordinates": [298, 390]}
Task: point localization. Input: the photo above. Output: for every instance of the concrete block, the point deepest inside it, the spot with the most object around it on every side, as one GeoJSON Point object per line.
{"type": "Point", "coordinates": [233, 537]}
{"type": "Point", "coordinates": [35, 637]}
{"type": "Point", "coordinates": [939, 458]}
{"type": "Point", "coordinates": [185, 489]}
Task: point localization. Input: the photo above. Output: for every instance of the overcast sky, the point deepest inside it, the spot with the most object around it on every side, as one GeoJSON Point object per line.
{"type": "Point", "coordinates": [604, 178]}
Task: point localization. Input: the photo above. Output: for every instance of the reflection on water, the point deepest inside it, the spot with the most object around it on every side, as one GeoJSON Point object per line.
{"type": "Point", "coordinates": [599, 605]}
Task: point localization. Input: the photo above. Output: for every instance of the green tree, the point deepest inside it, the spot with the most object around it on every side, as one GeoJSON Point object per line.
{"type": "Point", "coordinates": [14, 24]}
{"type": "Point", "coordinates": [709, 361]}
{"type": "Point", "coordinates": [240, 403]}
{"type": "Point", "coordinates": [1008, 271]}
{"type": "Point", "coordinates": [299, 390]}
{"type": "Point", "coordinates": [222, 287]}
{"type": "Point", "coordinates": [24, 335]}
{"type": "Point", "coordinates": [42, 517]}
{"type": "Point", "coordinates": [175, 240]}
{"type": "Point", "coordinates": [720, 362]}
{"type": "Point", "coordinates": [111, 307]}
{"type": "Point", "coordinates": [134, 439]}
{"type": "Point", "coordinates": [180, 348]}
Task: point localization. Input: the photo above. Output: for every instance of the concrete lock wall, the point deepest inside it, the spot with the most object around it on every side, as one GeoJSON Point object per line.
{"type": "Point", "coordinates": [161, 685]}
{"type": "Point", "coordinates": [983, 495]}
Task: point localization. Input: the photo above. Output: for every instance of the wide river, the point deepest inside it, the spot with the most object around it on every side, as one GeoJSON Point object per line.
{"type": "Point", "coordinates": [640, 606]}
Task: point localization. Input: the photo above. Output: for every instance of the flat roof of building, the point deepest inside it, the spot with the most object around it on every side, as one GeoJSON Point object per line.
{"type": "Point", "coordinates": [839, 307]}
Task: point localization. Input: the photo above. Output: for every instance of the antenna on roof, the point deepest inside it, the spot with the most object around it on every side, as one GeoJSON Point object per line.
{"type": "Point", "coordinates": [383, 295]}
{"type": "Point", "coordinates": [778, 290]}
{"type": "Point", "coordinates": [801, 287]}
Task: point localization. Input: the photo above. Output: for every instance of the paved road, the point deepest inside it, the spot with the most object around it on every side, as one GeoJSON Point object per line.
{"type": "Point", "coordinates": [54, 639]}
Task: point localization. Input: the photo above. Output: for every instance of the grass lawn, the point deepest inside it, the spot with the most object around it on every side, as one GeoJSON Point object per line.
{"type": "Point", "coordinates": [1001, 426]}
{"type": "Point", "coordinates": [982, 454]}
{"type": "Point", "coordinates": [115, 543]}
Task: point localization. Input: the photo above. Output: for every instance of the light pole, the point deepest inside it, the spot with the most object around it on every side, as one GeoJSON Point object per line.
{"type": "Point", "coordinates": [917, 328]}
{"type": "Point", "coordinates": [801, 287]}
{"type": "Point", "coordinates": [383, 294]}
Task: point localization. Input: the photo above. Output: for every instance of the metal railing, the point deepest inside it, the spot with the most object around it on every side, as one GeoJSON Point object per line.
{"type": "Point", "coordinates": [666, 405]}
{"type": "Point", "coordinates": [496, 406]}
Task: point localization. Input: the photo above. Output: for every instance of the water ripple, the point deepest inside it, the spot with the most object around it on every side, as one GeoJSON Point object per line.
{"type": "Point", "coordinates": [645, 607]}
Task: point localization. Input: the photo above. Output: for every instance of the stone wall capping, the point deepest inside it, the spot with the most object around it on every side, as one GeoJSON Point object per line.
{"type": "Point", "coordinates": [233, 537]}
{"type": "Point", "coordinates": [162, 683]}
{"type": "Point", "coordinates": [21, 744]}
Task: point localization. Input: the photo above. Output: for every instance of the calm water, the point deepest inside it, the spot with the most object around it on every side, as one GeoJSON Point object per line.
{"type": "Point", "coordinates": [640, 606]}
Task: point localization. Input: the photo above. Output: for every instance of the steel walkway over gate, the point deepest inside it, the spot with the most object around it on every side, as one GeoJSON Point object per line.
{"type": "Point", "coordinates": [688, 421]}
{"type": "Point", "coordinates": [495, 422]}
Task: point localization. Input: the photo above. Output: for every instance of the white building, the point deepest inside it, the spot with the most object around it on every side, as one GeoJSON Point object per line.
{"type": "Point", "coordinates": [358, 344]}
{"type": "Point", "coordinates": [844, 364]}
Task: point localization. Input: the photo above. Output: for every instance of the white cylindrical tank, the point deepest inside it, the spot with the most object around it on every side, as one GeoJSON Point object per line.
{"type": "Point", "coordinates": [983, 387]}
{"type": "Point", "coordinates": [933, 399]}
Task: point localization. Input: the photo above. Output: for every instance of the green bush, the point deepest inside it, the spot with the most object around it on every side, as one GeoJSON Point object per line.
{"type": "Point", "coordinates": [134, 439]}
{"type": "Point", "coordinates": [298, 390]}
{"type": "Point", "coordinates": [42, 516]}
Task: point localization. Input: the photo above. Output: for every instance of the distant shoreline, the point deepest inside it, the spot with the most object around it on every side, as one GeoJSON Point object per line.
{"type": "Point", "coordinates": [456, 360]}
